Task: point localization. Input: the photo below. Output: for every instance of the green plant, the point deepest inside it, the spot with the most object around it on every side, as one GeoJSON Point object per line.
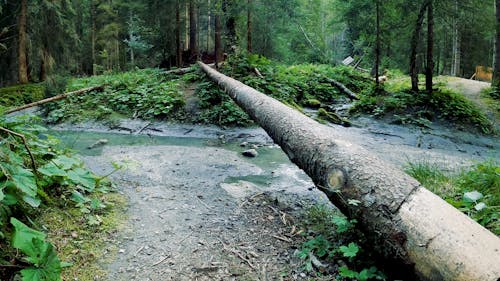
{"type": "Point", "coordinates": [46, 266]}
{"type": "Point", "coordinates": [34, 175]}
{"type": "Point", "coordinates": [333, 238]}
{"type": "Point", "coordinates": [476, 191]}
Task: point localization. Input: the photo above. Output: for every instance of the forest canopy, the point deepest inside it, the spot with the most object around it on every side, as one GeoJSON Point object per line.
{"type": "Point", "coordinates": [39, 39]}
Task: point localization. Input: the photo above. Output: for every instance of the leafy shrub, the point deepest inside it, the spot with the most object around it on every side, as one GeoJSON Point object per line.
{"type": "Point", "coordinates": [333, 238]}
{"type": "Point", "coordinates": [30, 179]}
{"type": "Point", "coordinates": [139, 94]}
{"type": "Point", "coordinates": [417, 107]}
{"type": "Point", "coordinates": [21, 94]}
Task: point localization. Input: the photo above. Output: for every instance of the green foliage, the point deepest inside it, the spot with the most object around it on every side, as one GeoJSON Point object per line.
{"type": "Point", "coordinates": [334, 239]}
{"type": "Point", "coordinates": [46, 264]}
{"type": "Point", "coordinates": [22, 94]}
{"type": "Point", "coordinates": [143, 94]}
{"type": "Point", "coordinates": [422, 109]}
{"type": "Point", "coordinates": [476, 191]}
{"type": "Point", "coordinates": [25, 191]}
{"type": "Point", "coordinates": [296, 86]}
{"type": "Point", "coordinates": [218, 108]}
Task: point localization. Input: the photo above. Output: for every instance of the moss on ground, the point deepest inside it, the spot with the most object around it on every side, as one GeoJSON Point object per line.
{"type": "Point", "coordinates": [21, 94]}
{"type": "Point", "coordinates": [84, 243]}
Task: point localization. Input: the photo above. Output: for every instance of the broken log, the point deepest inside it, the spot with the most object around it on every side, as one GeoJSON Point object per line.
{"type": "Point", "coordinates": [403, 220]}
{"type": "Point", "coordinates": [342, 88]}
{"type": "Point", "coordinates": [55, 98]}
{"type": "Point", "coordinates": [185, 70]}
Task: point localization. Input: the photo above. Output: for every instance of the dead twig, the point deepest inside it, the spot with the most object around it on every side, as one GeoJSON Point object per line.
{"type": "Point", "coordinates": [138, 251]}
{"type": "Point", "coordinates": [161, 261]}
{"type": "Point", "coordinates": [143, 128]}
{"type": "Point", "coordinates": [23, 138]}
{"type": "Point", "coordinates": [282, 238]}
{"type": "Point", "coordinates": [239, 255]}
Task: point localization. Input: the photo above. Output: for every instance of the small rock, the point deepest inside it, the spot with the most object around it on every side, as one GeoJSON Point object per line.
{"type": "Point", "coordinates": [121, 251]}
{"type": "Point", "coordinates": [243, 144]}
{"type": "Point", "coordinates": [254, 146]}
{"type": "Point", "coordinates": [250, 153]}
{"type": "Point", "coordinates": [74, 234]}
{"type": "Point", "coordinates": [98, 143]}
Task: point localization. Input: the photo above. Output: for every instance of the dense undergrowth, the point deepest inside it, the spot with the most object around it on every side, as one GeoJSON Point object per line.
{"type": "Point", "coordinates": [152, 93]}
{"type": "Point", "coordinates": [401, 105]}
{"type": "Point", "coordinates": [335, 248]}
{"type": "Point", "coordinates": [39, 183]}
{"type": "Point", "coordinates": [475, 191]}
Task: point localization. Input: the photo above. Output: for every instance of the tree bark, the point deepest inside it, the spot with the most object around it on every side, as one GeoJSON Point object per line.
{"type": "Point", "coordinates": [232, 37]}
{"type": "Point", "coordinates": [249, 26]}
{"type": "Point", "coordinates": [21, 41]}
{"type": "Point", "coordinates": [430, 49]}
{"type": "Point", "coordinates": [414, 46]}
{"type": "Point", "coordinates": [495, 83]}
{"type": "Point", "coordinates": [55, 98]}
{"type": "Point", "coordinates": [193, 30]}
{"type": "Point", "coordinates": [377, 45]}
{"type": "Point", "coordinates": [401, 218]}
{"type": "Point", "coordinates": [93, 35]}
{"type": "Point", "coordinates": [455, 64]}
{"type": "Point", "coordinates": [178, 43]}
{"type": "Point", "coordinates": [218, 43]}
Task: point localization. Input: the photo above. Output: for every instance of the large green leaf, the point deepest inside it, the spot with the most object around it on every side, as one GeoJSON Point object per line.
{"type": "Point", "coordinates": [50, 170]}
{"type": "Point", "coordinates": [24, 180]}
{"type": "Point", "coordinates": [23, 237]}
{"type": "Point", "coordinates": [65, 162]}
{"type": "Point", "coordinates": [47, 264]}
{"type": "Point", "coordinates": [83, 178]}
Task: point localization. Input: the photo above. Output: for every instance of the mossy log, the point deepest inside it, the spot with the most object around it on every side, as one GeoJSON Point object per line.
{"type": "Point", "coordinates": [55, 98]}
{"type": "Point", "coordinates": [333, 117]}
{"type": "Point", "coordinates": [402, 219]}
{"type": "Point", "coordinates": [342, 88]}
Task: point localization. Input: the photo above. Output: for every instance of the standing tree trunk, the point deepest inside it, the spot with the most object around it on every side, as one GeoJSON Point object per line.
{"type": "Point", "coordinates": [232, 37]}
{"type": "Point", "coordinates": [414, 46]}
{"type": "Point", "coordinates": [93, 34]}
{"type": "Point", "coordinates": [495, 83]}
{"type": "Point", "coordinates": [249, 27]}
{"type": "Point", "coordinates": [21, 47]}
{"type": "Point", "coordinates": [193, 30]}
{"type": "Point", "coordinates": [209, 24]}
{"type": "Point", "coordinates": [377, 45]}
{"type": "Point", "coordinates": [455, 63]}
{"type": "Point", "coordinates": [218, 43]}
{"type": "Point", "coordinates": [430, 48]}
{"type": "Point", "coordinates": [178, 44]}
{"type": "Point", "coordinates": [401, 219]}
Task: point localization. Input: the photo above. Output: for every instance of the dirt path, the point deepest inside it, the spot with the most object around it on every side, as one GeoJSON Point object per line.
{"type": "Point", "coordinates": [471, 89]}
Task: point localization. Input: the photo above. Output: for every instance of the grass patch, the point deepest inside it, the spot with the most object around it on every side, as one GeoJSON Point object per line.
{"type": "Point", "coordinates": [475, 192]}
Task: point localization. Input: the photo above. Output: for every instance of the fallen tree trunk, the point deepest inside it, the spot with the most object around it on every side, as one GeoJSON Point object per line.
{"type": "Point", "coordinates": [343, 88]}
{"type": "Point", "coordinates": [185, 70]}
{"type": "Point", "coordinates": [54, 98]}
{"type": "Point", "coordinates": [402, 219]}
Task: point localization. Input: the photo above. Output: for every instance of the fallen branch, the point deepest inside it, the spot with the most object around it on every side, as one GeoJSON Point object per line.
{"type": "Point", "coordinates": [23, 138]}
{"type": "Point", "coordinates": [55, 98]}
{"type": "Point", "coordinates": [342, 88]}
{"type": "Point", "coordinates": [257, 72]}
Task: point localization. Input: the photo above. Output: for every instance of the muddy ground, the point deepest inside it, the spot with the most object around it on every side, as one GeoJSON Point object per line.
{"type": "Point", "coordinates": [200, 210]}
